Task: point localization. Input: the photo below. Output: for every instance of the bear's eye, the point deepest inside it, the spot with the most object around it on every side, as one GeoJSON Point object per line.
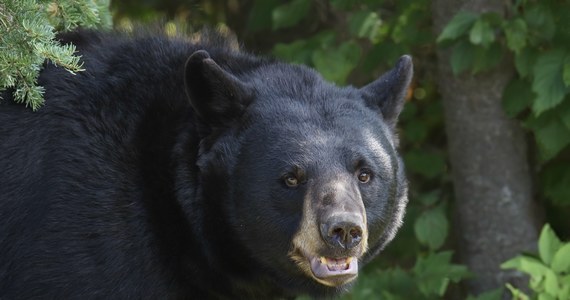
{"type": "Point", "coordinates": [364, 176]}
{"type": "Point", "coordinates": [291, 181]}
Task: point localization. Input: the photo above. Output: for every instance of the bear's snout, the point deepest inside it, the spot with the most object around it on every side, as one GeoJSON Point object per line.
{"type": "Point", "coordinates": [342, 231]}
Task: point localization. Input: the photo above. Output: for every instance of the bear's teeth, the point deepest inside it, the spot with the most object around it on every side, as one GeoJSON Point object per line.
{"type": "Point", "coordinates": [336, 264]}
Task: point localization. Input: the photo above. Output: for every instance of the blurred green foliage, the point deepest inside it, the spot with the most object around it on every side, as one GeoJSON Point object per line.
{"type": "Point", "coordinates": [549, 271]}
{"type": "Point", "coordinates": [535, 38]}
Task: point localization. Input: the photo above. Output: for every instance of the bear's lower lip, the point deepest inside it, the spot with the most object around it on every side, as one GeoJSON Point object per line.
{"type": "Point", "coordinates": [327, 268]}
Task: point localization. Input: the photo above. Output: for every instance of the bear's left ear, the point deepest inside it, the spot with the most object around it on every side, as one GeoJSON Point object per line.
{"type": "Point", "coordinates": [216, 95]}
{"type": "Point", "coordinates": [388, 92]}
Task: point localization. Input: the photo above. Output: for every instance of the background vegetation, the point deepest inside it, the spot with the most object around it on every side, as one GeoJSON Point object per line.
{"type": "Point", "coordinates": [519, 48]}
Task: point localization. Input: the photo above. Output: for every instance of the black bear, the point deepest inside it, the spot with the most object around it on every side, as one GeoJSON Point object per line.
{"type": "Point", "coordinates": [172, 169]}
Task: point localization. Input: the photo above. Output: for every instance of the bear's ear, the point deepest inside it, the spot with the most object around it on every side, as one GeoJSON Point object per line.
{"type": "Point", "coordinates": [388, 92]}
{"type": "Point", "coordinates": [217, 96]}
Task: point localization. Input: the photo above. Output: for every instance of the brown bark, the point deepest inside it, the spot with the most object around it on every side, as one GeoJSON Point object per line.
{"type": "Point", "coordinates": [495, 212]}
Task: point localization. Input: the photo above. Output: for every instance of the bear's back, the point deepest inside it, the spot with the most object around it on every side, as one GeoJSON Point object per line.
{"type": "Point", "coordinates": [77, 174]}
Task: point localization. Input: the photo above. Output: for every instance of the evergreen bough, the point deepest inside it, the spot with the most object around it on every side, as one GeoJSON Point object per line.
{"type": "Point", "coordinates": [27, 39]}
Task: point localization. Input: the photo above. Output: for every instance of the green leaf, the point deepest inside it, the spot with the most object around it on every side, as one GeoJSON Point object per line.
{"type": "Point", "coordinates": [364, 24]}
{"type": "Point", "coordinates": [564, 113]}
{"type": "Point", "coordinates": [548, 83]}
{"type": "Point", "coordinates": [496, 294]}
{"type": "Point", "coordinates": [548, 244]}
{"type": "Point", "coordinates": [555, 180]}
{"type": "Point", "coordinates": [427, 164]}
{"type": "Point", "coordinates": [551, 284]}
{"type": "Point", "coordinates": [459, 25]}
{"type": "Point", "coordinates": [561, 260]}
{"type": "Point", "coordinates": [540, 23]}
{"type": "Point", "coordinates": [462, 57]}
{"type": "Point", "coordinates": [543, 279]}
{"type": "Point", "coordinates": [290, 14]}
{"type": "Point", "coordinates": [415, 131]}
{"type": "Point", "coordinates": [301, 51]}
{"type": "Point", "coordinates": [260, 16]}
{"type": "Point", "coordinates": [551, 134]}
{"type": "Point", "coordinates": [431, 198]}
{"type": "Point", "coordinates": [516, 32]}
{"type": "Point", "coordinates": [382, 53]}
{"type": "Point", "coordinates": [545, 296]}
{"type": "Point", "coordinates": [295, 52]}
{"type": "Point", "coordinates": [487, 58]}
{"type": "Point", "coordinates": [482, 33]}
{"type": "Point", "coordinates": [526, 264]}
{"type": "Point", "coordinates": [564, 292]}
{"type": "Point", "coordinates": [516, 97]}
{"type": "Point", "coordinates": [409, 112]}
{"type": "Point", "coordinates": [335, 64]}
{"type": "Point", "coordinates": [342, 4]}
{"type": "Point", "coordinates": [525, 60]}
{"type": "Point", "coordinates": [566, 71]}
{"type": "Point", "coordinates": [435, 271]}
{"type": "Point", "coordinates": [431, 227]}
{"type": "Point", "coordinates": [516, 293]}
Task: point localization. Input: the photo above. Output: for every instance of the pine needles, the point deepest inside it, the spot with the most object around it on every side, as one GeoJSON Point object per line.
{"type": "Point", "coordinates": [27, 39]}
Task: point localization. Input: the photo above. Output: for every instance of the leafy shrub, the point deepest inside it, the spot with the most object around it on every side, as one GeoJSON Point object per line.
{"type": "Point", "coordinates": [549, 271]}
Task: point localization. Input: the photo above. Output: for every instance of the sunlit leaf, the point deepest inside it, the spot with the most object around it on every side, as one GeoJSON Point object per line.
{"type": "Point", "coordinates": [516, 293]}
{"type": "Point", "coordinates": [481, 33]}
{"type": "Point", "coordinates": [548, 244]}
{"type": "Point", "coordinates": [527, 264]}
{"type": "Point", "coordinates": [561, 259]}
{"type": "Point", "coordinates": [459, 25]}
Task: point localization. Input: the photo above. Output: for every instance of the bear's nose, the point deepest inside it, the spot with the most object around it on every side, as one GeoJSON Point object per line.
{"type": "Point", "coordinates": [342, 231]}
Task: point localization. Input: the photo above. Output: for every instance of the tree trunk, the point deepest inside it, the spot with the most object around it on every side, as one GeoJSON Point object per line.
{"type": "Point", "coordinates": [494, 210]}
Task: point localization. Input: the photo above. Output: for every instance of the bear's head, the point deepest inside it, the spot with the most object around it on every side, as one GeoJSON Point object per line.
{"type": "Point", "coordinates": [307, 173]}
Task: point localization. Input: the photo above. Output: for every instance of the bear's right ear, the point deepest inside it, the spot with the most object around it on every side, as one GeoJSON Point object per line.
{"type": "Point", "coordinates": [388, 92]}
{"type": "Point", "coordinates": [217, 96]}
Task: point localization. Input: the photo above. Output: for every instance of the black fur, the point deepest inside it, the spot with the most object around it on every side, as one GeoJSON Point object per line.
{"type": "Point", "coordinates": [122, 188]}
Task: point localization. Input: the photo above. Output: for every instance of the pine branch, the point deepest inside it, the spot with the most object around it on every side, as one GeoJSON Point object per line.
{"type": "Point", "coordinates": [27, 39]}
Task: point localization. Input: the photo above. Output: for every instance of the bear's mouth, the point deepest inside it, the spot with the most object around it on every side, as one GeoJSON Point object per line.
{"type": "Point", "coordinates": [326, 267]}
{"type": "Point", "coordinates": [329, 271]}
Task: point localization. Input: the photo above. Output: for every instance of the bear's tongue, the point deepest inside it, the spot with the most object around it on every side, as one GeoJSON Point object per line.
{"type": "Point", "coordinates": [323, 267]}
